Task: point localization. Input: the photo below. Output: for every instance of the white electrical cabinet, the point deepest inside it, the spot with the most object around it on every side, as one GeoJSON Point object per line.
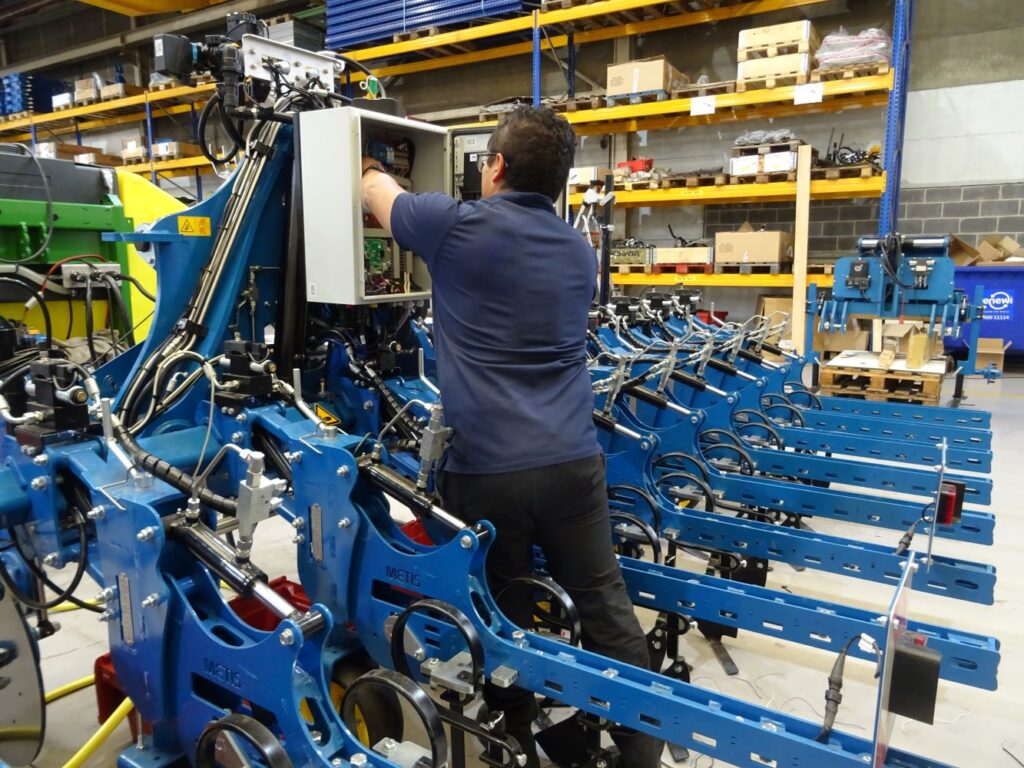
{"type": "Point", "coordinates": [349, 261]}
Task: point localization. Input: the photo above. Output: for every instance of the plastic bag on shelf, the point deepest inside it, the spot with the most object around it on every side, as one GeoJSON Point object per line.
{"type": "Point", "coordinates": [752, 138]}
{"type": "Point", "coordinates": [841, 49]}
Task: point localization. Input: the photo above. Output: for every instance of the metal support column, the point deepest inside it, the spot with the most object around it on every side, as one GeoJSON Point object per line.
{"type": "Point", "coordinates": [195, 132]}
{"type": "Point", "coordinates": [896, 114]}
{"type": "Point", "coordinates": [78, 133]}
{"type": "Point", "coordinates": [149, 140]}
{"type": "Point", "coordinates": [570, 64]}
{"type": "Point", "coordinates": [536, 58]}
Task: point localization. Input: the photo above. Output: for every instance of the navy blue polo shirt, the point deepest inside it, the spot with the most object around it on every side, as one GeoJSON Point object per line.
{"type": "Point", "coordinates": [512, 287]}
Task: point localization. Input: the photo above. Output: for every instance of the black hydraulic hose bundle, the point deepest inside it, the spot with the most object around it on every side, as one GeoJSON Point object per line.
{"type": "Point", "coordinates": [172, 475]}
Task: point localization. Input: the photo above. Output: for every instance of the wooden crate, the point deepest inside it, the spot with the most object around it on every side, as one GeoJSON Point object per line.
{"type": "Point", "coordinates": [862, 171]}
{"type": "Point", "coordinates": [119, 91]}
{"type": "Point", "coordinates": [642, 97]}
{"type": "Point", "coordinates": [771, 81]}
{"type": "Point", "coordinates": [174, 150]}
{"type": "Point", "coordinates": [138, 154]}
{"type": "Point", "coordinates": [849, 72]}
{"type": "Point", "coordinates": [770, 50]}
{"type": "Point", "coordinates": [787, 33]}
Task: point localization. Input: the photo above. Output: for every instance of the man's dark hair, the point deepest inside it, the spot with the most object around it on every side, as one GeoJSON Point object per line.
{"type": "Point", "coordinates": [538, 146]}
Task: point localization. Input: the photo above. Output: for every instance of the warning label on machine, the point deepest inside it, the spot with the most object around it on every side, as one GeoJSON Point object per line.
{"type": "Point", "coordinates": [194, 226]}
{"type": "Point", "coordinates": [325, 416]}
{"type": "Point", "coordinates": [998, 304]}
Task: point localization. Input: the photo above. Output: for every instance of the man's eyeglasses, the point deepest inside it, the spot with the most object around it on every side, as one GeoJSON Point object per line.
{"type": "Point", "coordinates": [482, 158]}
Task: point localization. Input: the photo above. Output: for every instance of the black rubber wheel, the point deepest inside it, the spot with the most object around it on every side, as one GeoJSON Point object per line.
{"type": "Point", "coordinates": [379, 712]}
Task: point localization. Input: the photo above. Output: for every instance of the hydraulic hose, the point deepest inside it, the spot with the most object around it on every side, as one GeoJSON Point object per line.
{"type": "Point", "coordinates": [67, 690]}
{"type": "Point", "coordinates": [94, 742]}
{"type": "Point", "coordinates": [172, 475]}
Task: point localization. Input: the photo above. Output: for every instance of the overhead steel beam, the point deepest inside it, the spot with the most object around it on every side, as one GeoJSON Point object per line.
{"type": "Point", "coordinates": [183, 24]}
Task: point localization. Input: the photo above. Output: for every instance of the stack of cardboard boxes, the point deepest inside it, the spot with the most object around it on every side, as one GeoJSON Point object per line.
{"type": "Point", "coordinates": [777, 52]}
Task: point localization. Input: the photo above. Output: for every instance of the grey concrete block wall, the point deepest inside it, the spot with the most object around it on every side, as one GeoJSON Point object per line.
{"type": "Point", "coordinates": [835, 225]}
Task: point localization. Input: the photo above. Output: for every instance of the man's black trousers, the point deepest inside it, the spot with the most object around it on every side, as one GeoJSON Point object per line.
{"type": "Point", "coordinates": [564, 510]}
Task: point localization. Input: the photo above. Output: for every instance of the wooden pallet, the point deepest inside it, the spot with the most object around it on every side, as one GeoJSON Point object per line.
{"type": "Point", "coordinates": [19, 115]}
{"type": "Point", "coordinates": [764, 149]}
{"type": "Point", "coordinates": [85, 102]}
{"type": "Point", "coordinates": [641, 97]}
{"type": "Point", "coordinates": [280, 18]}
{"type": "Point", "coordinates": [696, 180]}
{"type": "Point", "coordinates": [863, 171]}
{"type": "Point", "coordinates": [776, 268]}
{"type": "Point", "coordinates": [203, 79]}
{"type": "Point", "coordinates": [178, 150]}
{"type": "Point", "coordinates": [579, 104]}
{"type": "Point", "coordinates": [881, 397]}
{"type": "Point", "coordinates": [166, 86]}
{"type": "Point", "coordinates": [414, 34]}
{"type": "Point", "coordinates": [126, 90]}
{"type": "Point", "coordinates": [707, 89]}
{"type": "Point", "coordinates": [820, 269]}
{"type": "Point", "coordinates": [775, 49]}
{"type": "Point", "coordinates": [134, 159]}
{"type": "Point", "coordinates": [899, 385]}
{"type": "Point", "coordinates": [849, 72]}
{"type": "Point", "coordinates": [763, 178]}
{"type": "Point", "coordinates": [682, 269]}
{"type": "Point", "coordinates": [63, 107]}
{"type": "Point", "coordinates": [632, 269]}
{"type": "Point", "coordinates": [771, 81]}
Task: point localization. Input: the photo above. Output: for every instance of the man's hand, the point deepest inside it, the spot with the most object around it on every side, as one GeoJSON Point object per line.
{"type": "Point", "coordinates": [378, 192]}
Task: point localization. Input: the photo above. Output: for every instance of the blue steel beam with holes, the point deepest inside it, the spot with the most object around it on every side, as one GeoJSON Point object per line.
{"type": "Point", "coordinates": [910, 412]}
{"type": "Point", "coordinates": [846, 443]}
{"type": "Point", "coordinates": [922, 482]}
{"type": "Point", "coordinates": [958, 579]}
{"type": "Point", "coordinates": [902, 479]}
{"type": "Point", "coordinates": [966, 658]}
{"type": "Point", "coordinates": [798, 499]}
{"type": "Point", "coordinates": [727, 728]}
{"type": "Point", "coordinates": [924, 414]}
{"type": "Point", "coordinates": [957, 437]}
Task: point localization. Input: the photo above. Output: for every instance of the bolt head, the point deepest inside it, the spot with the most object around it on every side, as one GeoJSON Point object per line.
{"type": "Point", "coordinates": [39, 483]}
{"type": "Point", "coordinates": [287, 637]}
{"type": "Point", "coordinates": [106, 616]}
{"type": "Point", "coordinates": [368, 405]}
{"type": "Point", "coordinates": [358, 759]}
{"type": "Point", "coordinates": [237, 437]}
{"type": "Point", "coordinates": [241, 418]}
{"type": "Point", "coordinates": [41, 460]}
{"type": "Point", "coordinates": [51, 559]}
{"type": "Point", "coordinates": [298, 538]}
{"type": "Point", "coordinates": [29, 450]}
{"type": "Point", "coordinates": [344, 523]}
{"type": "Point", "coordinates": [343, 471]}
{"type": "Point", "coordinates": [466, 541]}
{"type": "Point", "coordinates": [150, 600]}
{"type": "Point", "coordinates": [96, 513]}
{"type": "Point", "coordinates": [299, 523]}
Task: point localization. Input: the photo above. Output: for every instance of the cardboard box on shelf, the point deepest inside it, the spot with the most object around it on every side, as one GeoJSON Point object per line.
{"type": "Point", "coordinates": [119, 91]}
{"type": "Point", "coordinates": [778, 34]}
{"type": "Point", "coordinates": [654, 74]}
{"type": "Point", "coordinates": [745, 165]}
{"type": "Point", "coordinates": [962, 253]}
{"type": "Point", "coordinates": [702, 254]}
{"type": "Point", "coordinates": [749, 247]}
{"type": "Point", "coordinates": [86, 94]}
{"type": "Point", "coordinates": [790, 64]}
{"type": "Point", "coordinates": [84, 83]}
{"type": "Point", "coordinates": [58, 150]}
{"type": "Point", "coordinates": [588, 174]}
{"type": "Point", "coordinates": [61, 100]}
{"type": "Point", "coordinates": [991, 351]}
{"type": "Point", "coordinates": [778, 162]}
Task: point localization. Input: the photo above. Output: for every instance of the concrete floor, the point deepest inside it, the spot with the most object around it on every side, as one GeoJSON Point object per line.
{"type": "Point", "coordinates": [974, 728]}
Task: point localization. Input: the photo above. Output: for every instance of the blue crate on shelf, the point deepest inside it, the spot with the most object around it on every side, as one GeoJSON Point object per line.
{"type": "Point", "coordinates": [353, 22]}
{"type": "Point", "coordinates": [25, 92]}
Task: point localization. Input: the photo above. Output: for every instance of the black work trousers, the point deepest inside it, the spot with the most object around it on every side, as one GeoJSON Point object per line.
{"type": "Point", "coordinates": [564, 510]}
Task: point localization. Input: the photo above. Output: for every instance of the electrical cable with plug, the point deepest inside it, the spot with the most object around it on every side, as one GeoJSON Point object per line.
{"type": "Point", "coordinates": [834, 696]}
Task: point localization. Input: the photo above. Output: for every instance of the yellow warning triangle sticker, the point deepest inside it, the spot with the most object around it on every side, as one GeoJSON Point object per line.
{"type": "Point", "coordinates": [325, 416]}
{"type": "Point", "coordinates": [185, 227]}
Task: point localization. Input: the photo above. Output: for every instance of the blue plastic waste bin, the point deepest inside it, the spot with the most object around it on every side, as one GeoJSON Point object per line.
{"type": "Point", "coordinates": [1002, 287]}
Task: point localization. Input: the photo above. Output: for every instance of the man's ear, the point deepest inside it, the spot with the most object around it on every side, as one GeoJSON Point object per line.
{"type": "Point", "coordinates": [499, 168]}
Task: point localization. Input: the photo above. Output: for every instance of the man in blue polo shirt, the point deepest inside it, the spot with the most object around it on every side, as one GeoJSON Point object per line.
{"type": "Point", "coordinates": [512, 288]}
